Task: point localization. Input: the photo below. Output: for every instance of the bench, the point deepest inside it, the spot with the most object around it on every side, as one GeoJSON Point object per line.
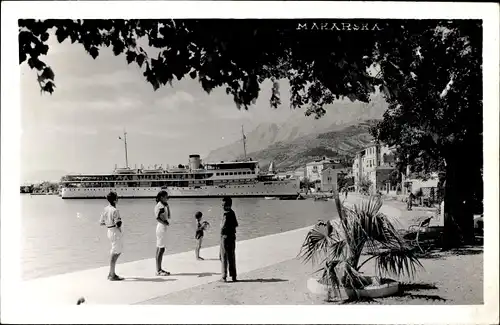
{"type": "Point", "coordinates": [412, 235]}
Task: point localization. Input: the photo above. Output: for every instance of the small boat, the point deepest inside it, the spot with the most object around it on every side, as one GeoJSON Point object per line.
{"type": "Point", "coordinates": [270, 198]}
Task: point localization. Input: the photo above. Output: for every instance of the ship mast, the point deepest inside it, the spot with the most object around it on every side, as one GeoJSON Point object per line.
{"type": "Point", "coordinates": [244, 142]}
{"type": "Point", "coordinates": [125, 142]}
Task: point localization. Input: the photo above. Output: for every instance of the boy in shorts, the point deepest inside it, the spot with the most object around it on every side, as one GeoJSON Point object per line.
{"type": "Point", "coordinates": [200, 232]}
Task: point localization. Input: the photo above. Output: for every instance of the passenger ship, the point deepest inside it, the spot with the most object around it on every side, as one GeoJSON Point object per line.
{"type": "Point", "coordinates": [232, 178]}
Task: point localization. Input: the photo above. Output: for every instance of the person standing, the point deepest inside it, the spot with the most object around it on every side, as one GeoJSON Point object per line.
{"type": "Point", "coordinates": [228, 240]}
{"type": "Point", "coordinates": [162, 215]}
{"type": "Point", "coordinates": [112, 220]}
{"type": "Point", "coordinates": [409, 204]}
{"type": "Point", "coordinates": [200, 232]}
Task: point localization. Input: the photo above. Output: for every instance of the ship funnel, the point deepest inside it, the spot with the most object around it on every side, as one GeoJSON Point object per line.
{"type": "Point", "coordinates": [194, 162]}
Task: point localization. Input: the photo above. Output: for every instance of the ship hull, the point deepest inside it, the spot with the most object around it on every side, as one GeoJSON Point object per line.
{"type": "Point", "coordinates": [280, 189]}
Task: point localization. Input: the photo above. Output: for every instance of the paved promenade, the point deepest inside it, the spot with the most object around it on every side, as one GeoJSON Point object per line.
{"type": "Point", "coordinates": [141, 284]}
{"type": "Point", "coordinates": [396, 210]}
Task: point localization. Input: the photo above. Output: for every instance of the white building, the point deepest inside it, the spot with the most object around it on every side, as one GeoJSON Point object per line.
{"type": "Point", "coordinates": [330, 178]}
{"type": "Point", "coordinates": [375, 162]}
{"type": "Point", "coordinates": [300, 173]}
{"type": "Point", "coordinates": [286, 175]}
{"type": "Point", "coordinates": [314, 168]}
{"type": "Point", "coordinates": [414, 184]}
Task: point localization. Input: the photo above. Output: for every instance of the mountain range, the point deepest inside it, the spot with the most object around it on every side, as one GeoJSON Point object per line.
{"type": "Point", "coordinates": [342, 131]}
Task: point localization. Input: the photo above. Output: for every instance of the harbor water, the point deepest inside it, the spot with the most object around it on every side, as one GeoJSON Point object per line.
{"type": "Point", "coordinates": [62, 236]}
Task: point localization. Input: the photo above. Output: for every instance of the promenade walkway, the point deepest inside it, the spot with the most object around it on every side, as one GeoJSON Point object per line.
{"type": "Point", "coordinates": [141, 283]}
{"type": "Point", "coordinates": [398, 213]}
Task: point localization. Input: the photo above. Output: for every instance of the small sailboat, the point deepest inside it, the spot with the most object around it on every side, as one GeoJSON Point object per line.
{"type": "Point", "coordinates": [271, 170]}
{"type": "Point", "coordinates": [271, 173]}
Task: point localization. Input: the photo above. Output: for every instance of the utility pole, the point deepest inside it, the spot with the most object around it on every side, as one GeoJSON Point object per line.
{"type": "Point", "coordinates": [244, 142]}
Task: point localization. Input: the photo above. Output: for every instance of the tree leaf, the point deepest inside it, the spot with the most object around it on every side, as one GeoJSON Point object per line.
{"type": "Point", "coordinates": [118, 46]}
{"type": "Point", "coordinates": [35, 63]}
{"type": "Point", "coordinates": [22, 57]}
{"type": "Point", "coordinates": [94, 52]}
{"type": "Point", "coordinates": [131, 56]}
{"type": "Point", "coordinates": [61, 34]}
{"type": "Point", "coordinates": [44, 49]}
{"type": "Point", "coordinates": [140, 59]}
{"type": "Point", "coordinates": [47, 73]}
{"type": "Point", "coordinates": [49, 87]}
{"type": "Point", "coordinates": [44, 37]}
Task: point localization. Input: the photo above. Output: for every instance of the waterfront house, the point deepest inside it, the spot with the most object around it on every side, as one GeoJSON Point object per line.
{"type": "Point", "coordinates": [314, 168]}
{"type": "Point", "coordinates": [285, 175]}
{"type": "Point", "coordinates": [376, 163]}
{"type": "Point", "coordinates": [412, 182]}
{"type": "Point", "coordinates": [330, 178]}
{"type": "Point", "coordinates": [299, 173]}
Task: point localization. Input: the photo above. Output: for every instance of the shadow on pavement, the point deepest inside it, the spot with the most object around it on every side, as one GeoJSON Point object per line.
{"type": "Point", "coordinates": [416, 286]}
{"type": "Point", "coordinates": [262, 280]}
{"type": "Point", "coordinates": [149, 279]}
{"type": "Point", "coordinates": [426, 297]}
{"type": "Point", "coordinates": [361, 300]}
{"type": "Point", "coordinates": [405, 287]}
{"type": "Point", "coordinates": [200, 275]}
{"type": "Point", "coordinates": [438, 254]}
{"type": "Point", "coordinates": [405, 291]}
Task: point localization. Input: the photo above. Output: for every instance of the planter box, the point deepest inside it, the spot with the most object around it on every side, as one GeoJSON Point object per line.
{"type": "Point", "coordinates": [389, 287]}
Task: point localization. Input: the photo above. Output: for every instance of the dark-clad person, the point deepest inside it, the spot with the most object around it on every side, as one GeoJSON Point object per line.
{"type": "Point", "coordinates": [409, 201]}
{"type": "Point", "coordinates": [228, 240]}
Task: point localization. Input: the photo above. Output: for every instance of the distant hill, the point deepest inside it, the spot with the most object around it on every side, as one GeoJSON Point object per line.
{"type": "Point", "coordinates": [299, 129]}
{"type": "Point", "coordinates": [341, 143]}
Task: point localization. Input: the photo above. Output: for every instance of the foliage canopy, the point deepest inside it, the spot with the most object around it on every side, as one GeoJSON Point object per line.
{"type": "Point", "coordinates": [321, 62]}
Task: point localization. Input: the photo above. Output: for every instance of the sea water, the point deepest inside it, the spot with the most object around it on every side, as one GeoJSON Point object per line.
{"type": "Point", "coordinates": [60, 236]}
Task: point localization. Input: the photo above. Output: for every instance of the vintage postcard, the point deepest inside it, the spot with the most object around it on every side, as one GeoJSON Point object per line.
{"type": "Point", "coordinates": [249, 162]}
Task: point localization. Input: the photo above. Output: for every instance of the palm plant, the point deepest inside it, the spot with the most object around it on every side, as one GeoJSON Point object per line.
{"type": "Point", "coordinates": [338, 247]}
{"type": "Point", "coordinates": [364, 185]}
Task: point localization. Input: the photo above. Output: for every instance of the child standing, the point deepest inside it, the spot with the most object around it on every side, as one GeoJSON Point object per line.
{"type": "Point", "coordinates": [112, 220]}
{"type": "Point", "coordinates": [200, 228]}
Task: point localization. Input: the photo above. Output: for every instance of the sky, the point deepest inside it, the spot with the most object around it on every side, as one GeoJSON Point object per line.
{"type": "Point", "coordinates": [76, 129]}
